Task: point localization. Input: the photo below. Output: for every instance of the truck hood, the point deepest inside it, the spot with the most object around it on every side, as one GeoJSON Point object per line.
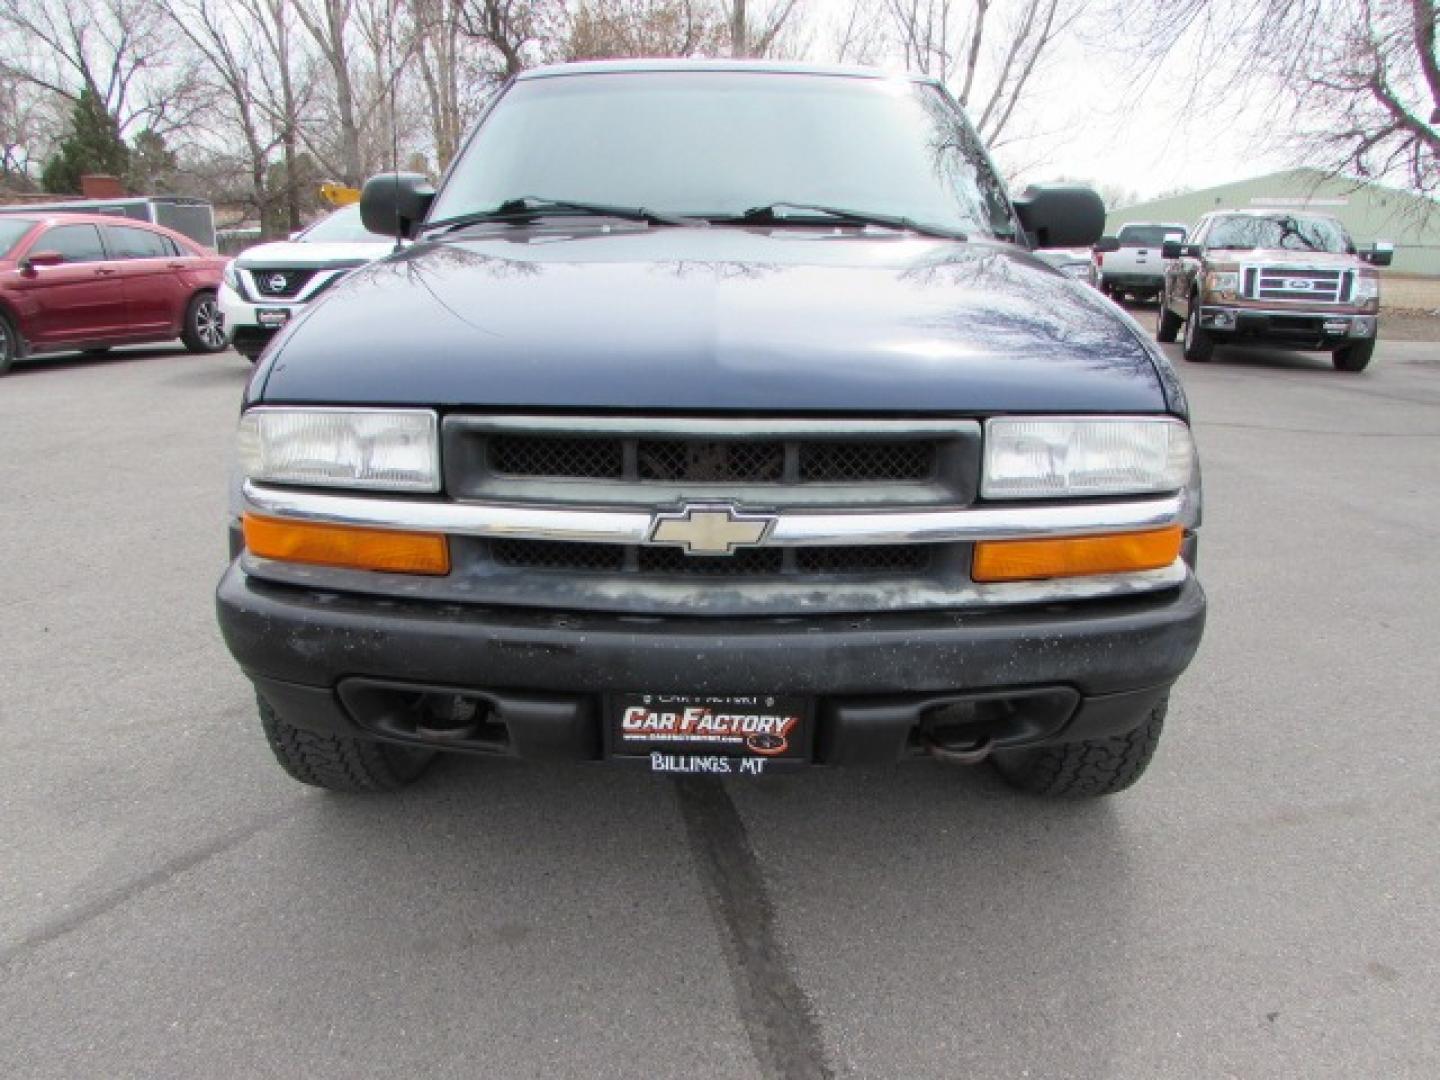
{"type": "Point", "coordinates": [291, 255]}
{"type": "Point", "coordinates": [671, 319]}
{"type": "Point", "coordinates": [1298, 260]}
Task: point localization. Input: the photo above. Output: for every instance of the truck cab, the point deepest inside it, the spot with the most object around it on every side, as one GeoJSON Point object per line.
{"type": "Point", "coordinates": [1131, 264]}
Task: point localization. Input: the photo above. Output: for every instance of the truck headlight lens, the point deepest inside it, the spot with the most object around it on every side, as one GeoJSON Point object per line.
{"type": "Point", "coordinates": [1222, 284]}
{"type": "Point", "coordinates": [1367, 288]}
{"type": "Point", "coordinates": [229, 276]}
{"type": "Point", "coordinates": [1045, 458]}
{"type": "Point", "coordinates": [384, 449]}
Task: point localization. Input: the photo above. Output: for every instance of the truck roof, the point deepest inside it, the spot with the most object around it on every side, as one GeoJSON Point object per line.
{"type": "Point", "coordinates": [770, 67]}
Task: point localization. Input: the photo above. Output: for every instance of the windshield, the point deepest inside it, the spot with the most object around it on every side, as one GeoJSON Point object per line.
{"type": "Point", "coordinates": [1148, 235]}
{"type": "Point", "coordinates": [1284, 231]}
{"type": "Point", "coordinates": [715, 144]}
{"type": "Point", "coordinates": [342, 227]}
{"type": "Point", "coordinates": [11, 230]}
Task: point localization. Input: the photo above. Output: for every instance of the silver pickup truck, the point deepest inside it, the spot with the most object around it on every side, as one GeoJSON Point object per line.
{"type": "Point", "coordinates": [1131, 263]}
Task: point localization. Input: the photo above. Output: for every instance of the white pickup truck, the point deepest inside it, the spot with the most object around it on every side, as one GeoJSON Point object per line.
{"type": "Point", "coordinates": [1136, 267]}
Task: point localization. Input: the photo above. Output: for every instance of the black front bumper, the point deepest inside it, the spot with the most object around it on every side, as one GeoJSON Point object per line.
{"type": "Point", "coordinates": [1291, 330]}
{"type": "Point", "coordinates": [343, 663]}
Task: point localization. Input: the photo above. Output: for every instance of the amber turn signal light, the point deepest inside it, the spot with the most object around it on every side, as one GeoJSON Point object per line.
{"type": "Point", "coordinates": [1026, 560]}
{"type": "Point", "coordinates": [343, 545]}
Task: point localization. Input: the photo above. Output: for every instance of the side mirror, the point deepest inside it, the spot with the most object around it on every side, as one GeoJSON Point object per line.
{"type": "Point", "coordinates": [1380, 253]}
{"type": "Point", "coordinates": [1106, 243]}
{"type": "Point", "coordinates": [1061, 215]}
{"type": "Point", "coordinates": [42, 258]}
{"type": "Point", "coordinates": [392, 203]}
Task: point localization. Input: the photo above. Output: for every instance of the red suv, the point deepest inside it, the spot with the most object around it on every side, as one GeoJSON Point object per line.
{"type": "Point", "coordinates": [88, 281]}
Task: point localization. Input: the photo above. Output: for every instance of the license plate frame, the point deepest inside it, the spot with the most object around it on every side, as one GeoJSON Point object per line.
{"type": "Point", "coordinates": [272, 318]}
{"type": "Point", "coordinates": [721, 733]}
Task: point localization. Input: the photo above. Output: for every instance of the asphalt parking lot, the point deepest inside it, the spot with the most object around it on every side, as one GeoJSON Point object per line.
{"type": "Point", "coordinates": [1263, 904]}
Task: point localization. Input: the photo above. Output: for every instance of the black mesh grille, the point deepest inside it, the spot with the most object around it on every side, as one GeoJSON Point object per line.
{"type": "Point", "coordinates": [831, 462]}
{"type": "Point", "coordinates": [673, 562]}
{"type": "Point", "coordinates": [880, 559]}
{"type": "Point", "coordinates": [280, 282]}
{"type": "Point", "coordinates": [712, 461]}
{"type": "Point", "coordinates": [558, 555]}
{"type": "Point", "coordinates": [542, 455]}
{"type": "Point", "coordinates": [748, 562]}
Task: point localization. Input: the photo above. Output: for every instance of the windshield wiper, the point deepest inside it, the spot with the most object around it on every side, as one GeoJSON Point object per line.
{"type": "Point", "coordinates": [770, 214]}
{"type": "Point", "coordinates": [529, 206]}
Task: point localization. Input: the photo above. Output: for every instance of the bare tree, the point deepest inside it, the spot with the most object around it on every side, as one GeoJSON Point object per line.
{"type": "Point", "coordinates": [120, 52]}
{"type": "Point", "coordinates": [284, 92]}
{"type": "Point", "coordinates": [230, 60]}
{"type": "Point", "coordinates": [329, 24]}
{"type": "Point", "coordinates": [28, 131]}
{"type": "Point", "coordinates": [756, 37]}
{"type": "Point", "coordinates": [861, 37]}
{"type": "Point", "coordinates": [443, 59]}
{"type": "Point", "coordinates": [618, 28]}
{"type": "Point", "coordinates": [986, 51]}
{"type": "Point", "coordinates": [1352, 86]}
{"type": "Point", "coordinates": [518, 33]}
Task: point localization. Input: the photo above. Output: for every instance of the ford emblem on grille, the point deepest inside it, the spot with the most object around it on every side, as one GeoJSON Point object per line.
{"type": "Point", "coordinates": [1296, 284]}
{"type": "Point", "coordinates": [276, 283]}
{"type": "Point", "coordinates": [710, 529]}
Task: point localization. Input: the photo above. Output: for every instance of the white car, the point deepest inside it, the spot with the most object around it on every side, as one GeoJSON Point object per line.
{"type": "Point", "coordinates": [265, 286]}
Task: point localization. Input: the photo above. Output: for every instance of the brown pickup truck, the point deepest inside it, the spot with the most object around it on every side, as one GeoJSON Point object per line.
{"type": "Point", "coordinates": [1272, 277]}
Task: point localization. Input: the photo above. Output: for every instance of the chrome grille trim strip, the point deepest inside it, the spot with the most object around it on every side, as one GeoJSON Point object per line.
{"type": "Point", "coordinates": [791, 529]}
{"type": "Point", "coordinates": [693, 427]}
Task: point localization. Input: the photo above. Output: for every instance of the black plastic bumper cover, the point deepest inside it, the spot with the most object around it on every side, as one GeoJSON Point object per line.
{"type": "Point", "coordinates": [868, 673]}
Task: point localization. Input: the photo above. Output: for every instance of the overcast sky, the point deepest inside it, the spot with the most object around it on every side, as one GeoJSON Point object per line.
{"type": "Point", "coordinates": [1091, 119]}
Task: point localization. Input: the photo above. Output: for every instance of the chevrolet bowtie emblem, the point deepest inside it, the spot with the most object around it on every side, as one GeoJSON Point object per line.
{"type": "Point", "coordinates": [710, 530]}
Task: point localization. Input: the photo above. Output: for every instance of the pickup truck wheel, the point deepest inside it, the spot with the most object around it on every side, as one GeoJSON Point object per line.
{"type": "Point", "coordinates": [1199, 345]}
{"type": "Point", "coordinates": [204, 330]}
{"type": "Point", "coordinates": [1167, 323]}
{"type": "Point", "coordinates": [1354, 357]}
{"type": "Point", "coordinates": [9, 344]}
{"type": "Point", "coordinates": [1085, 769]}
{"type": "Point", "coordinates": [340, 763]}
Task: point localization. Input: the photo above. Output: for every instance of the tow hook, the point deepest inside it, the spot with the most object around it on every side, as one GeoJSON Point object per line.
{"type": "Point", "coordinates": [970, 754]}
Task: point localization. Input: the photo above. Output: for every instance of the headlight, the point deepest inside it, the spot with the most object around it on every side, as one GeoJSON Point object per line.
{"type": "Point", "coordinates": [389, 450]}
{"type": "Point", "coordinates": [1222, 284]}
{"type": "Point", "coordinates": [1367, 288]}
{"type": "Point", "coordinates": [229, 276]}
{"type": "Point", "coordinates": [1054, 458]}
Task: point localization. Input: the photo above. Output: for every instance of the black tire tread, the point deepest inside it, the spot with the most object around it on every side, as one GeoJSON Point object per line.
{"type": "Point", "coordinates": [336, 762]}
{"type": "Point", "coordinates": [1085, 769]}
{"type": "Point", "coordinates": [1204, 344]}
{"type": "Point", "coordinates": [1168, 328]}
{"type": "Point", "coordinates": [11, 349]}
{"type": "Point", "coordinates": [1354, 358]}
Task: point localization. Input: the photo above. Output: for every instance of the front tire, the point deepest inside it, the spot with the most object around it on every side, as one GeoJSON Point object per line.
{"type": "Point", "coordinates": [1167, 323]}
{"type": "Point", "coordinates": [204, 330]}
{"type": "Point", "coordinates": [9, 344]}
{"type": "Point", "coordinates": [1085, 769]}
{"type": "Point", "coordinates": [1199, 345]}
{"type": "Point", "coordinates": [338, 763]}
{"type": "Point", "coordinates": [1354, 357]}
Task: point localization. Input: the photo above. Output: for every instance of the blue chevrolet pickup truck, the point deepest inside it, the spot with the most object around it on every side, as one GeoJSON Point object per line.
{"type": "Point", "coordinates": [719, 419]}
